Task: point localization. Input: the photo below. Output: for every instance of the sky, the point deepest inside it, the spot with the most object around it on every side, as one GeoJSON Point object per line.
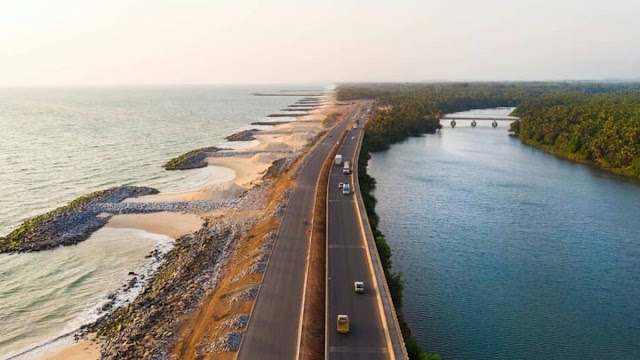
{"type": "Point", "coordinates": [110, 42]}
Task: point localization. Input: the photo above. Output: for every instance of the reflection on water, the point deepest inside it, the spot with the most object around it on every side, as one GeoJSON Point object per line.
{"type": "Point", "coordinates": [508, 252]}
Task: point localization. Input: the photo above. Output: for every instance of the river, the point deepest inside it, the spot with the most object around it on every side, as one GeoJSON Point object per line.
{"type": "Point", "coordinates": [509, 252]}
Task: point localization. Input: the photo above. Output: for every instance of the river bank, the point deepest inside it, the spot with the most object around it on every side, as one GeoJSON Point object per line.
{"type": "Point", "coordinates": [508, 252]}
{"type": "Point", "coordinates": [255, 171]}
{"type": "Point", "coordinates": [597, 129]}
{"type": "Point", "coordinates": [569, 156]}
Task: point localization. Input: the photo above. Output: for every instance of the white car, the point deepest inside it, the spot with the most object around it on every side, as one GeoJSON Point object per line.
{"type": "Point", "coordinates": [346, 189]}
{"type": "Point", "coordinates": [353, 138]}
{"type": "Point", "coordinates": [358, 286]}
{"type": "Point", "coordinates": [340, 185]}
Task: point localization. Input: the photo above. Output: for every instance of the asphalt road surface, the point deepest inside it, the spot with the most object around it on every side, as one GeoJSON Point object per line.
{"type": "Point", "coordinates": [274, 325]}
{"type": "Point", "coordinates": [348, 263]}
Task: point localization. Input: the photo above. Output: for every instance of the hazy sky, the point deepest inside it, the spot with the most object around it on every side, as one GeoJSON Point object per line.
{"type": "Point", "coordinates": [50, 42]}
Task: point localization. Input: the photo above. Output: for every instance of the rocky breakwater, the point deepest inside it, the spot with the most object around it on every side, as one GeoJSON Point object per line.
{"type": "Point", "coordinates": [192, 160]}
{"type": "Point", "coordinates": [250, 153]}
{"type": "Point", "coordinates": [148, 327]}
{"type": "Point", "coordinates": [68, 224]}
{"type": "Point", "coordinates": [246, 135]}
{"type": "Point", "coordinates": [286, 115]}
{"type": "Point", "coordinates": [196, 207]}
{"type": "Point", "coordinates": [298, 109]}
{"type": "Point", "coordinates": [271, 123]}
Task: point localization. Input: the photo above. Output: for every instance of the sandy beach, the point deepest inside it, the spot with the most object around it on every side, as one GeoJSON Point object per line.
{"type": "Point", "coordinates": [84, 349]}
{"type": "Point", "coordinates": [165, 223]}
{"type": "Point", "coordinates": [248, 164]}
{"type": "Point", "coordinates": [289, 137]}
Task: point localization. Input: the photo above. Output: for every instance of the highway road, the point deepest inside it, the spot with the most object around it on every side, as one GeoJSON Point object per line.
{"type": "Point", "coordinates": [275, 322]}
{"type": "Point", "coordinates": [348, 262]}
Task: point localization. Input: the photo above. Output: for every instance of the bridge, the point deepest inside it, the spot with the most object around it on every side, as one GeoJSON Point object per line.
{"type": "Point", "coordinates": [475, 119]}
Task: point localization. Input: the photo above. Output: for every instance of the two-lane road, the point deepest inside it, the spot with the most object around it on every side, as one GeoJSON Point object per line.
{"type": "Point", "coordinates": [348, 262]}
{"type": "Point", "coordinates": [273, 331]}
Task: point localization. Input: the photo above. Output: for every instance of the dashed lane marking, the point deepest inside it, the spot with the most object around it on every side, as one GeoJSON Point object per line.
{"type": "Point", "coordinates": [348, 349]}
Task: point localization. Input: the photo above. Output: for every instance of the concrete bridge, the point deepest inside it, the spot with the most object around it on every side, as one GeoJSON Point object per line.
{"type": "Point", "coordinates": [475, 119]}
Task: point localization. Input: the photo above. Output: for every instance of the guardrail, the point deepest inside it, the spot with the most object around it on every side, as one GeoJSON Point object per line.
{"type": "Point", "coordinates": [387, 302]}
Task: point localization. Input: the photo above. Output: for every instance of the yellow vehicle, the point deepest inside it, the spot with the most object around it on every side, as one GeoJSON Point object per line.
{"type": "Point", "coordinates": [343, 324]}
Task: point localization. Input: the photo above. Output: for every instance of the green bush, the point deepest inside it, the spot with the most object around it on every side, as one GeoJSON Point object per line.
{"type": "Point", "coordinates": [394, 280]}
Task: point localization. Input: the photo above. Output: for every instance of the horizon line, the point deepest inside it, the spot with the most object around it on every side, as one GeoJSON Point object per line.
{"type": "Point", "coordinates": [285, 83]}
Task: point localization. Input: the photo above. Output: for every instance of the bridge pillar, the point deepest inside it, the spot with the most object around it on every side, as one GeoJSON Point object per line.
{"type": "Point", "coordinates": [473, 123]}
{"type": "Point", "coordinates": [453, 123]}
{"type": "Point", "coordinates": [494, 124]}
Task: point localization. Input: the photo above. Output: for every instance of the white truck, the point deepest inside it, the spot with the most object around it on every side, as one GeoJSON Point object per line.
{"type": "Point", "coordinates": [338, 160]}
{"type": "Point", "coordinates": [346, 169]}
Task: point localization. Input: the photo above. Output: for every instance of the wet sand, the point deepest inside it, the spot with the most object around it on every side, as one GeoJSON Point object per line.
{"type": "Point", "coordinates": [82, 350]}
{"type": "Point", "coordinates": [165, 223]}
{"type": "Point", "coordinates": [248, 171]}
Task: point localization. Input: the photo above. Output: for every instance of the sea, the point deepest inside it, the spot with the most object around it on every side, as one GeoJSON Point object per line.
{"type": "Point", "coordinates": [508, 252]}
{"type": "Point", "coordinates": [58, 143]}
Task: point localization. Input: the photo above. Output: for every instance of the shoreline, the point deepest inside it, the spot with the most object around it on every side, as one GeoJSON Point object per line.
{"type": "Point", "coordinates": [250, 173]}
{"type": "Point", "coordinates": [83, 349]}
{"type": "Point", "coordinates": [115, 297]}
{"type": "Point", "coordinates": [241, 247]}
{"type": "Point", "coordinates": [623, 173]}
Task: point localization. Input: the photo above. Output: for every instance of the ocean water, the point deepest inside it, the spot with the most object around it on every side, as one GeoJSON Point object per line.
{"type": "Point", "coordinates": [48, 294]}
{"type": "Point", "coordinates": [60, 143]}
{"type": "Point", "coordinates": [509, 252]}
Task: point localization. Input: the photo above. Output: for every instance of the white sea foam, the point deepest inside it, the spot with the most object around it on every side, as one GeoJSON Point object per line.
{"type": "Point", "coordinates": [100, 240]}
{"type": "Point", "coordinates": [117, 138]}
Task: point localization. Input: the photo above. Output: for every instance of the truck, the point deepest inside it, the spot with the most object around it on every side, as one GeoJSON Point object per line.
{"type": "Point", "coordinates": [338, 160]}
{"type": "Point", "coordinates": [346, 169]}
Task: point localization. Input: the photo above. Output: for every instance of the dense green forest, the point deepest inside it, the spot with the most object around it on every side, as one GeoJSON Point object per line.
{"type": "Point", "coordinates": [600, 128]}
{"type": "Point", "coordinates": [413, 109]}
{"type": "Point", "coordinates": [597, 122]}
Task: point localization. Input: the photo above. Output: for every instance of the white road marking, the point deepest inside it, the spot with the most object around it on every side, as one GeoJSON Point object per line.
{"type": "Point", "coordinates": [345, 349]}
